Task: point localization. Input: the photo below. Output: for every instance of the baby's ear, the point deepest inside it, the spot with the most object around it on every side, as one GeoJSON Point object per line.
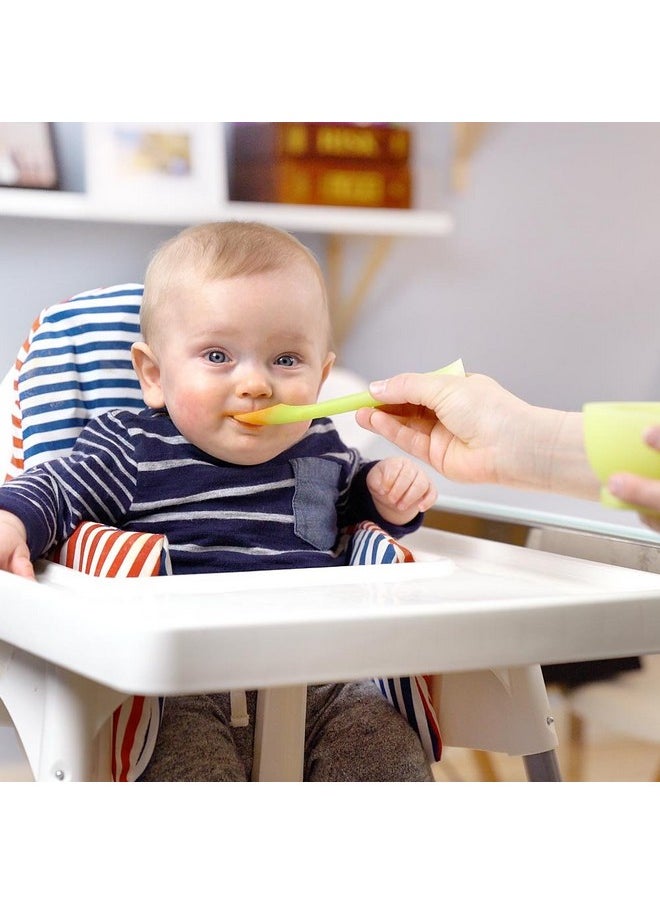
{"type": "Point", "coordinates": [327, 367]}
{"type": "Point", "coordinates": [146, 367]}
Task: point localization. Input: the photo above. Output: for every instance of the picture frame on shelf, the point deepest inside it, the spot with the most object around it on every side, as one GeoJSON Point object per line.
{"type": "Point", "coordinates": [175, 166]}
{"type": "Point", "coordinates": [27, 156]}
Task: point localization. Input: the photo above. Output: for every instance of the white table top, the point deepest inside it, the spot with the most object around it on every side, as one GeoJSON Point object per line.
{"type": "Point", "coordinates": [478, 604]}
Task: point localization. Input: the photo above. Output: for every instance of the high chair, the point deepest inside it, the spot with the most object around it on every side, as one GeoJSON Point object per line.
{"type": "Point", "coordinates": [76, 364]}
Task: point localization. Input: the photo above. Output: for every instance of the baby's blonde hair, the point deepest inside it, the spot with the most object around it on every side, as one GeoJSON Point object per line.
{"type": "Point", "coordinates": [218, 251]}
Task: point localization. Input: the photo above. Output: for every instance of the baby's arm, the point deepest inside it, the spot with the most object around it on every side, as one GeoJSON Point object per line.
{"type": "Point", "coordinates": [14, 552]}
{"type": "Point", "coordinates": [400, 489]}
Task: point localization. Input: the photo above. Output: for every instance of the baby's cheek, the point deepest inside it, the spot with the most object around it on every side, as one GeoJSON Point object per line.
{"type": "Point", "coordinates": [191, 403]}
{"type": "Point", "coordinates": [190, 411]}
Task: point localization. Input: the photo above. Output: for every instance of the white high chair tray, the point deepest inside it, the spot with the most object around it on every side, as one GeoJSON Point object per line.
{"type": "Point", "coordinates": [480, 605]}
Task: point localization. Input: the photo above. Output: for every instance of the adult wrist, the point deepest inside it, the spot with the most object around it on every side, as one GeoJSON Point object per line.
{"type": "Point", "coordinates": [556, 460]}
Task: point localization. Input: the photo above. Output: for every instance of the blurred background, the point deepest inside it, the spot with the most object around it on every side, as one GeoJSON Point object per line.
{"type": "Point", "coordinates": [528, 249]}
{"type": "Point", "coordinates": [549, 281]}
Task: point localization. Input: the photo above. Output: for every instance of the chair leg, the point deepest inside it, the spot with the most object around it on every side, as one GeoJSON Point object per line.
{"type": "Point", "coordinates": [76, 730]}
{"type": "Point", "coordinates": [279, 734]}
{"type": "Point", "coordinates": [542, 767]}
{"type": "Point", "coordinates": [62, 719]}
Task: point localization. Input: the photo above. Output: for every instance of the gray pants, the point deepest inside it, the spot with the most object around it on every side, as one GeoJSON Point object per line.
{"type": "Point", "coordinates": [352, 735]}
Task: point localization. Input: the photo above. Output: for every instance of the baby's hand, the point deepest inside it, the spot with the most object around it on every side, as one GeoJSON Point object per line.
{"type": "Point", "coordinates": [400, 489]}
{"type": "Point", "coordinates": [14, 552]}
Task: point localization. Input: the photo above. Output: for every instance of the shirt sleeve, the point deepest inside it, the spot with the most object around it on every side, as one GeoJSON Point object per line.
{"type": "Point", "coordinates": [96, 482]}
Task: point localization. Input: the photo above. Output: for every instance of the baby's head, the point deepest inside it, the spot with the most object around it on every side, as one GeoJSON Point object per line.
{"type": "Point", "coordinates": [216, 251]}
{"type": "Point", "coordinates": [234, 317]}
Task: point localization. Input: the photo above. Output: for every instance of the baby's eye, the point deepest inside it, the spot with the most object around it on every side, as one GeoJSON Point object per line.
{"type": "Point", "coordinates": [215, 356]}
{"type": "Point", "coordinates": [287, 360]}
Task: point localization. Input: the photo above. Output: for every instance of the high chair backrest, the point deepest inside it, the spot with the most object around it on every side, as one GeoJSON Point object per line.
{"type": "Point", "coordinates": [74, 364]}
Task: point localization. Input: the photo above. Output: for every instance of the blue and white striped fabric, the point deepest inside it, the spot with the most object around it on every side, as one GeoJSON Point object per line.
{"type": "Point", "coordinates": [371, 546]}
{"type": "Point", "coordinates": [76, 364]}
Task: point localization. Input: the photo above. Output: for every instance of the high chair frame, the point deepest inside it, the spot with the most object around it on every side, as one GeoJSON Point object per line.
{"type": "Point", "coordinates": [61, 709]}
{"type": "Point", "coordinates": [61, 697]}
{"type": "Point", "coordinates": [68, 661]}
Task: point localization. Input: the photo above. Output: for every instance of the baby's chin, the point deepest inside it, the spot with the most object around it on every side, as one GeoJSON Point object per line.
{"type": "Point", "coordinates": [258, 449]}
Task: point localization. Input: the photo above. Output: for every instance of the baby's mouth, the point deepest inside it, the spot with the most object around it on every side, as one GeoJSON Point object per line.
{"type": "Point", "coordinates": [232, 416]}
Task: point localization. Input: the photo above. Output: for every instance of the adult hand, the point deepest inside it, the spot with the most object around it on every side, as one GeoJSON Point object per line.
{"type": "Point", "coordinates": [471, 429]}
{"type": "Point", "coordinates": [640, 491]}
{"type": "Point", "coordinates": [453, 423]}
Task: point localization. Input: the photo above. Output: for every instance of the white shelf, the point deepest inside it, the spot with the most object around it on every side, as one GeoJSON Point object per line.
{"type": "Point", "coordinates": [171, 208]}
{"type": "Point", "coordinates": [165, 206]}
{"type": "Point", "coordinates": [345, 219]}
{"type": "Point", "coordinates": [61, 205]}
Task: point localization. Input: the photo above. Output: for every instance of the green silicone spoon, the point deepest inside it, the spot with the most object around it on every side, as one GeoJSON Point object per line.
{"type": "Point", "coordinates": [289, 414]}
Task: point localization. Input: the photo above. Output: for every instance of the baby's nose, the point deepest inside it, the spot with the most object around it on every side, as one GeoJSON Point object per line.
{"type": "Point", "coordinates": [253, 382]}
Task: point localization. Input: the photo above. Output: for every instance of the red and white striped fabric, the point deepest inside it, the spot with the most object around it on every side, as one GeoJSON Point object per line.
{"type": "Point", "coordinates": [135, 727]}
{"type": "Point", "coordinates": [107, 552]}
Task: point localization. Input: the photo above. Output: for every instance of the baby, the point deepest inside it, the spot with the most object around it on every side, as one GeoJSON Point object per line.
{"type": "Point", "coordinates": [234, 318]}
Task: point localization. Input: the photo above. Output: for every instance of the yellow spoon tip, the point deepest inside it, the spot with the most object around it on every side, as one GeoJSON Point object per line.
{"type": "Point", "coordinates": [260, 418]}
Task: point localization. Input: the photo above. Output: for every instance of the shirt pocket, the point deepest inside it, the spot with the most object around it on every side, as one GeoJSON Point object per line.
{"type": "Point", "coordinates": [315, 500]}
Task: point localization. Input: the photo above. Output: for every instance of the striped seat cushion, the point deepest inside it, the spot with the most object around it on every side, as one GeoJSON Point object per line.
{"type": "Point", "coordinates": [74, 364]}
{"type": "Point", "coordinates": [109, 552]}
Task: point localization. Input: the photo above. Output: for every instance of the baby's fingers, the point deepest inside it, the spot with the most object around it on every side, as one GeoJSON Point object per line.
{"type": "Point", "coordinates": [21, 565]}
{"type": "Point", "coordinates": [407, 486]}
{"type": "Point", "coordinates": [428, 499]}
{"type": "Point", "coordinates": [420, 494]}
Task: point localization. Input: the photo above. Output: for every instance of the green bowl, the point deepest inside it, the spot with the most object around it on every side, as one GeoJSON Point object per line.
{"type": "Point", "coordinates": [613, 442]}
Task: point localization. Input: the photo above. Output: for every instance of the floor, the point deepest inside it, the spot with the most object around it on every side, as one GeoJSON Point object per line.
{"type": "Point", "coordinates": [614, 760]}
{"type": "Point", "coordinates": [602, 758]}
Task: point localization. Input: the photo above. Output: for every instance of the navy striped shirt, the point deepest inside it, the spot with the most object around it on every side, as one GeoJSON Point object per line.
{"type": "Point", "coordinates": [136, 471]}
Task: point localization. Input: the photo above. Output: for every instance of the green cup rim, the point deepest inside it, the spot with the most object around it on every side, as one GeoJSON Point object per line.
{"type": "Point", "coordinates": [620, 407]}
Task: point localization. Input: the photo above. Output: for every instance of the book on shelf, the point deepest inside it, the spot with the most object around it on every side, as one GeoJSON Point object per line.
{"type": "Point", "coordinates": [324, 182]}
{"type": "Point", "coordinates": [373, 142]}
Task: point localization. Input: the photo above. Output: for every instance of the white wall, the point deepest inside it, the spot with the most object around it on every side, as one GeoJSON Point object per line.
{"type": "Point", "coordinates": [551, 281]}
{"type": "Point", "coordinates": [42, 262]}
